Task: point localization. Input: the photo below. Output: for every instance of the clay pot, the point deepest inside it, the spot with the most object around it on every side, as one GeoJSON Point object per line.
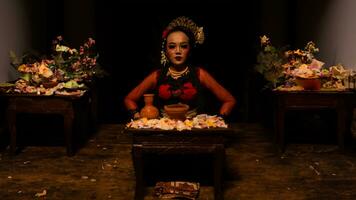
{"type": "Point", "coordinates": [176, 111]}
{"type": "Point", "coordinates": [309, 83]}
{"type": "Point", "coordinates": [149, 111]}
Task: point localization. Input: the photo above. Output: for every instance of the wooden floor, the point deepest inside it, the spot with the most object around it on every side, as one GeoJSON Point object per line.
{"type": "Point", "coordinates": [102, 169]}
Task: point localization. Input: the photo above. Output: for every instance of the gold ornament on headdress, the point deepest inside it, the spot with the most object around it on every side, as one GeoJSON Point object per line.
{"type": "Point", "coordinates": [190, 25]}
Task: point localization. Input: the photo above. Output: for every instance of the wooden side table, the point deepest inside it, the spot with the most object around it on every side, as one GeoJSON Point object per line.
{"type": "Point", "coordinates": [307, 100]}
{"type": "Point", "coordinates": [178, 142]}
{"type": "Point", "coordinates": [36, 104]}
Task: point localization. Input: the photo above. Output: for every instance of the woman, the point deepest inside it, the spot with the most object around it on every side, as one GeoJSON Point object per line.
{"type": "Point", "coordinates": [178, 81]}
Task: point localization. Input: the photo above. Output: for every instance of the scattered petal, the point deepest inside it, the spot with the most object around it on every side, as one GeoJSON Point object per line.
{"type": "Point", "coordinates": [40, 194]}
{"type": "Point", "coordinates": [313, 168]}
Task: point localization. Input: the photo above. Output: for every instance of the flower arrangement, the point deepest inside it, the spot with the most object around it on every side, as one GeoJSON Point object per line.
{"type": "Point", "coordinates": [66, 72]}
{"type": "Point", "coordinates": [287, 69]}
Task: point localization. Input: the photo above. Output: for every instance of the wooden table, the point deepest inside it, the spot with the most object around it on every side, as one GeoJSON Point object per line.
{"type": "Point", "coordinates": [178, 142]}
{"type": "Point", "coordinates": [306, 100]}
{"type": "Point", "coordinates": [66, 106]}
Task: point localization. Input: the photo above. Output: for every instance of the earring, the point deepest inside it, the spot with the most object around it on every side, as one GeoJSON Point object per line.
{"type": "Point", "coordinates": [164, 59]}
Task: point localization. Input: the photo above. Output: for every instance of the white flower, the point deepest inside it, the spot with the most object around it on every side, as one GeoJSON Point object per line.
{"type": "Point", "coordinates": [62, 48]}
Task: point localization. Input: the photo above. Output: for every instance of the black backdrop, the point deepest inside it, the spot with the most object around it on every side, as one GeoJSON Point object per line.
{"type": "Point", "coordinates": [130, 43]}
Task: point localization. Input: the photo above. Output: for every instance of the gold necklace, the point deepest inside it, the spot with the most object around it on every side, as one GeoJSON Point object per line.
{"type": "Point", "coordinates": [177, 74]}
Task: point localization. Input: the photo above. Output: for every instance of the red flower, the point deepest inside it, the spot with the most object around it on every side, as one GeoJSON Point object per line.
{"type": "Point", "coordinates": [165, 33]}
{"type": "Point", "coordinates": [189, 91]}
{"type": "Point", "coordinates": [164, 91]}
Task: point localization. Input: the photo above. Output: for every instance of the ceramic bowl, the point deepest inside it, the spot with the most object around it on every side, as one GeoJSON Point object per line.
{"type": "Point", "coordinates": [176, 111]}
{"type": "Point", "coordinates": [309, 83]}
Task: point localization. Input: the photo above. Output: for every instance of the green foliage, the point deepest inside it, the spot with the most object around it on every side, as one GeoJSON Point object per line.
{"type": "Point", "coordinates": [269, 64]}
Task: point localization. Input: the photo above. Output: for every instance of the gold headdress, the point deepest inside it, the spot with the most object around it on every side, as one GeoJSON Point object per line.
{"type": "Point", "coordinates": [187, 24]}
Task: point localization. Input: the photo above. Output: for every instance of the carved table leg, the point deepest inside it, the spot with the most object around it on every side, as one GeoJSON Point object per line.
{"type": "Point", "coordinates": [68, 132]}
{"type": "Point", "coordinates": [11, 117]}
{"type": "Point", "coordinates": [341, 127]}
{"type": "Point", "coordinates": [279, 128]}
{"type": "Point", "coordinates": [218, 168]}
{"type": "Point", "coordinates": [138, 165]}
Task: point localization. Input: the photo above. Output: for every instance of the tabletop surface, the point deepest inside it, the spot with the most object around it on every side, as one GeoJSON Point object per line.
{"type": "Point", "coordinates": [322, 91]}
{"type": "Point", "coordinates": [33, 95]}
{"type": "Point", "coordinates": [175, 132]}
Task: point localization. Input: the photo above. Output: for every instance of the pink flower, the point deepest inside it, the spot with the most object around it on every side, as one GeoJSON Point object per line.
{"type": "Point", "coordinates": [81, 50]}
{"type": "Point", "coordinates": [91, 42]}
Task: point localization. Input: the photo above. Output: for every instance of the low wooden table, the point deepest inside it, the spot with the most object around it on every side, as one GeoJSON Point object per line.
{"type": "Point", "coordinates": [39, 104]}
{"type": "Point", "coordinates": [178, 142]}
{"type": "Point", "coordinates": [307, 100]}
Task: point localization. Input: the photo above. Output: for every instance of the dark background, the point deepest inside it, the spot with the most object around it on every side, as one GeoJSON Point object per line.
{"type": "Point", "coordinates": [128, 38]}
{"type": "Point", "coordinates": [227, 54]}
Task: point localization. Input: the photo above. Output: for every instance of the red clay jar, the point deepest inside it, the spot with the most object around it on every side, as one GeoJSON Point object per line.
{"type": "Point", "coordinates": [149, 111]}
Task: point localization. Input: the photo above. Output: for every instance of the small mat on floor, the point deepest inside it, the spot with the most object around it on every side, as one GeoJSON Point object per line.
{"type": "Point", "coordinates": [177, 189]}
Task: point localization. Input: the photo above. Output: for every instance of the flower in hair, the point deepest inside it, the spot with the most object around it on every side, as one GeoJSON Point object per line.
{"type": "Point", "coordinates": [165, 33]}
